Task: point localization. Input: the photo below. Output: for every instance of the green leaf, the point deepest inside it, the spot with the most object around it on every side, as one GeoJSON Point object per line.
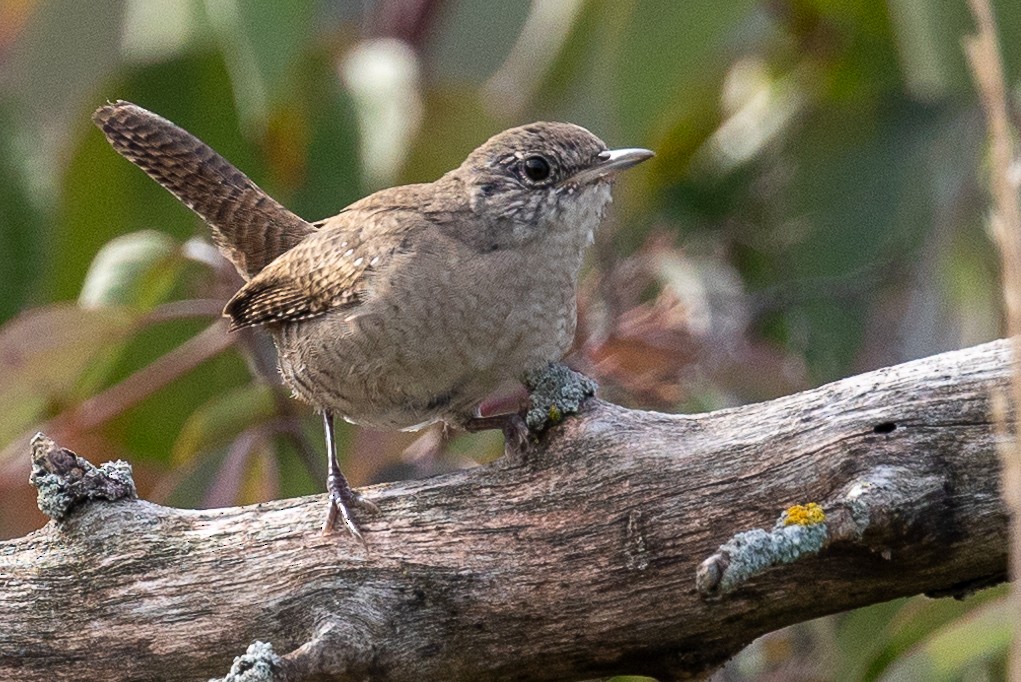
{"type": "Point", "coordinates": [470, 40]}
{"type": "Point", "coordinates": [136, 270]}
{"type": "Point", "coordinates": [45, 352]}
{"type": "Point", "coordinates": [972, 646]}
{"type": "Point", "coordinates": [261, 40]}
{"type": "Point", "coordinates": [327, 127]}
{"type": "Point", "coordinates": [220, 419]}
{"type": "Point", "coordinates": [633, 70]}
{"type": "Point", "coordinates": [652, 91]}
{"type": "Point", "coordinates": [453, 125]}
{"type": "Point", "coordinates": [22, 228]}
{"type": "Point", "coordinates": [873, 639]}
{"type": "Point", "coordinates": [928, 35]}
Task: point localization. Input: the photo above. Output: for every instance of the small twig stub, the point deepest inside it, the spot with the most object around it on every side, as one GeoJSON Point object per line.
{"type": "Point", "coordinates": [64, 479]}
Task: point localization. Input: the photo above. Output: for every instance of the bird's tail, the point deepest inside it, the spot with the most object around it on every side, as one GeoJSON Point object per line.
{"type": "Point", "coordinates": [249, 226]}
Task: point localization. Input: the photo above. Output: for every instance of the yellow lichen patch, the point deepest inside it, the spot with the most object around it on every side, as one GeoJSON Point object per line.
{"type": "Point", "coordinates": [554, 414]}
{"type": "Point", "coordinates": [804, 515]}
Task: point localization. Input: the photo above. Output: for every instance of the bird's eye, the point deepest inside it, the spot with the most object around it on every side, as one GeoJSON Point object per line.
{"type": "Point", "coordinates": [536, 168]}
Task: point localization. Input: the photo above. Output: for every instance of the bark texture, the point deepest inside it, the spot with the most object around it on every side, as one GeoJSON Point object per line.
{"type": "Point", "coordinates": [624, 542]}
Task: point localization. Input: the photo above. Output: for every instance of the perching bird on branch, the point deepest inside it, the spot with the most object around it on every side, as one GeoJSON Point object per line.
{"type": "Point", "coordinates": [412, 305]}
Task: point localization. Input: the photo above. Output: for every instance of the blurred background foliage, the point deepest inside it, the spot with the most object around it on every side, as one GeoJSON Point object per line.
{"type": "Point", "coordinates": [814, 210]}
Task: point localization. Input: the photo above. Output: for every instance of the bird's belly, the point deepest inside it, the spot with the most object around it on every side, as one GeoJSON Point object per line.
{"type": "Point", "coordinates": [352, 376]}
{"type": "Point", "coordinates": [488, 333]}
{"type": "Point", "coordinates": [387, 369]}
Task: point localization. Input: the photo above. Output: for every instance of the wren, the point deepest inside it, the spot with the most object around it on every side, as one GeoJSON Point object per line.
{"type": "Point", "coordinates": [413, 304]}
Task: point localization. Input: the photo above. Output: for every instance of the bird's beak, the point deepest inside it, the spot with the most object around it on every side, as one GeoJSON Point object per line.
{"type": "Point", "coordinates": [609, 163]}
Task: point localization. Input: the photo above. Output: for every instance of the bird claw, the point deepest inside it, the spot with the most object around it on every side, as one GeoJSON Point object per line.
{"type": "Point", "coordinates": [515, 434]}
{"type": "Point", "coordinates": [342, 500]}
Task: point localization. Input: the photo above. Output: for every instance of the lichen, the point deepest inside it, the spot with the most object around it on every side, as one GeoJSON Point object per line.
{"type": "Point", "coordinates": [555, 392]}
{"type": "Point", "coordinates": [803, 515]}
{"type": "Point", "coordinates": [799, 532]}
{"type": "Point", "coordinates": [258, 664]}
{"type": "Point", "coordinates": [65, 480]}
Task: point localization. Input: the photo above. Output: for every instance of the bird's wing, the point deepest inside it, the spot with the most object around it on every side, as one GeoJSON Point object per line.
{"type": "Point", "coordinates": [328, 270]}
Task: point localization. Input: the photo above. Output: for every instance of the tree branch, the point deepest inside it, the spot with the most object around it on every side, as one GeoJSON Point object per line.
{"type": "Point", "coordinates": [576, 561]}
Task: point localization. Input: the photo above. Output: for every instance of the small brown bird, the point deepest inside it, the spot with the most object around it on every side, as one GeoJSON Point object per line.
{"type": "Point", "coordinates": [413, 304]}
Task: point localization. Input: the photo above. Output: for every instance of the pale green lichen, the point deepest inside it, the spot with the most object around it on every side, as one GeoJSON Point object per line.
{"type": "Point", "coordinates": [799, 532]}
{"type": "Point", "coordinates": [555, 392]}
{"type": "Point", "coordinates": [258, 664]}
{"type": "Point", "coordinates": [65, 480]}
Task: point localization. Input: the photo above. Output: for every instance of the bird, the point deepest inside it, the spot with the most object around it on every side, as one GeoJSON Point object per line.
{"type": "Point", "coordinates": [412, 304]}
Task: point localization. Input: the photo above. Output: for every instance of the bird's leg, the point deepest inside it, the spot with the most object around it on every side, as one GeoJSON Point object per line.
{"type": "Point", "coordinates": [342, 497]}
{"type": "Point", "coordinates": [515, 432]}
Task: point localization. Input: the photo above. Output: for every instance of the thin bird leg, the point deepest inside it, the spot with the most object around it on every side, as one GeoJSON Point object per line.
{"type": "Point", "coordinates": [515, 431]}
{"type": "Point", "coordinates": [342, 497]}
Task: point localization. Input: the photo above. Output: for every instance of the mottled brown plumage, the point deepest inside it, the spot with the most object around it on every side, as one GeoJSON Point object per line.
{"type": "Point", "coordinates": [413, 304]}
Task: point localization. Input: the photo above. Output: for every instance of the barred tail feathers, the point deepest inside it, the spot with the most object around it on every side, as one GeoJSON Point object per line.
{"type": "Point", "coordinates": [249, 226]}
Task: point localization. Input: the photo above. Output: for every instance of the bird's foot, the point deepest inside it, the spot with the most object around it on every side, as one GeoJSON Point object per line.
{"type": "Point", "coordinates": [554, 392]}
{"type": "Point", "coordinates": [342, 500]}
{"type": "Point", "coordinates": [515, 431]}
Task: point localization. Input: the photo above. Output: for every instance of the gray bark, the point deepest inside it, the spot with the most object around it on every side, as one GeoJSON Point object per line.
{"type": "Point", "coordinates": [619, 544]}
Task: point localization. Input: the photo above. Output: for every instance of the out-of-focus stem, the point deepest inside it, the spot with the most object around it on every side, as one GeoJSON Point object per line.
{"type": "Point", "coordinates": [104, 406]}
{"type": "Point", "coordinates": [1005, 224]}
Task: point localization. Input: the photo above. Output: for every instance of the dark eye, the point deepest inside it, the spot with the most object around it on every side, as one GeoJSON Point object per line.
{"type": "Point", "coordinates": [536, 168]}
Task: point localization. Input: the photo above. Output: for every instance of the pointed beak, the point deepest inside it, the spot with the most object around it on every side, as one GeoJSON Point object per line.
{"type": "Point", "coordinates": [609, 163]}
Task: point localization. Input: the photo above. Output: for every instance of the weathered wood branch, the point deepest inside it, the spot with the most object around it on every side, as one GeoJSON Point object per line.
{"type": "Point", "coordinates": [576, 561]}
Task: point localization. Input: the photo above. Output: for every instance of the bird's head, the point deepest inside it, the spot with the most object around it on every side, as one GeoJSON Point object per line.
{"type": "Point", "coordinates": [542, 179]}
